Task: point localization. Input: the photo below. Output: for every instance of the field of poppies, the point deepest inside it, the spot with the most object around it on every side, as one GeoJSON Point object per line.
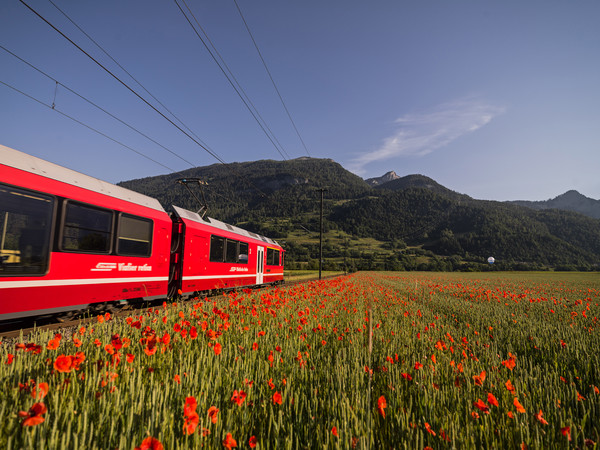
{"type": "Point", "coordinates": [371, 360]}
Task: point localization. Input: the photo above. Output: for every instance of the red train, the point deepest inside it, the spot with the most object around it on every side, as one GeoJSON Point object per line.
{"type": "Point", "coordinates": [68, 241]}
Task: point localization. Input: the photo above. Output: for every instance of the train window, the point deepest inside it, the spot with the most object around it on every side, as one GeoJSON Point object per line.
{"type": "Point", "coordinates": [217, 248]}
{"type": "Point", "coordinates": [231, 251]}
{"type": "Point", "coordinates": [243, 254]}
{"type": "Point", "coordinates": [86, 229]}
{"type": "Point", "coordinates": [25, 228]}
{"type": "Point", "coordinates": [135, 236]}
{"type": "Point", "coordinates": [272, 257]}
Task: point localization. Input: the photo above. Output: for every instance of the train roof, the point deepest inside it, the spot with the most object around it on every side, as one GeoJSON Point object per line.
{"type": "Point", "coordinates": [209, 221]}
{"type": "Point", "coordinates": [23, 161]}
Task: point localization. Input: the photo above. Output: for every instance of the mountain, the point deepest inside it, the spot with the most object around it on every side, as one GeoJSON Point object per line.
{"type": "Point", "coordinates": [421, 182]}
{"type": "Point", "coordinates": [409, 222]}
{"type": "Point", "coordinates": [240, 190]}
{"type": "Point", "coordinates": [390, 176]}
{"type": "Point", "coordinates": [569, 201]}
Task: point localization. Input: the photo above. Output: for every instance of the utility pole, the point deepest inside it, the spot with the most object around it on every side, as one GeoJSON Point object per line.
{"type": "Point", "coordinates": [321, 235]}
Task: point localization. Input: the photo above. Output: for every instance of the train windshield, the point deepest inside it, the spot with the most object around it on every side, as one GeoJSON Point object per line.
{"type": "Point", "coordinates": [25, 227]}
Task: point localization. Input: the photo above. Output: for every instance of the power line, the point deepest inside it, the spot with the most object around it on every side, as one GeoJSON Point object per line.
{"type": "Point", "coordinates": [93, 104]}
{"type": "Point", "coordinates": [205, 148]}
{"type": "Point", "coordinates": [247, 102]}
{"type": "Point", "coordinates": [209, 151]}
{"type": "Point", "coordinates": [271, 77]}
{"type": "Point", "coordinates": [54, 108]}
{"type": "Point", "coordinates": [213, 154]}
{"type": "Point", "coordinates": [128, 73]}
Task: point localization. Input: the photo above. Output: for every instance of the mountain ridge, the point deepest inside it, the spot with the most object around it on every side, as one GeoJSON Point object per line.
{"type": "Point", "coordinates": [411, 222]}
{"type": "Point", "coordinates": [569, 201]}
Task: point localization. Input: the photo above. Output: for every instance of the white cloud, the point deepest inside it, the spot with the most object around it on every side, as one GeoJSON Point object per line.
{"type": "Point", "coordinates": [421, 133]}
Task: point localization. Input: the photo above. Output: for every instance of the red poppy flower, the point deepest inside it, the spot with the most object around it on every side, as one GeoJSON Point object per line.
{"type": "Point", "coordinates": [418, 365]}
{"type": "Point", "coordinates": [34, 348]}
{"type": "Point", "coordinates": [190, 423]}
{"type": "Point", "coordinates": [130, 357]}
{"type": "Point", "coordinates": [150, 443]}
{"type": "Point", "coordinates": [491, 399]}
{"type": "Point", "coordinates": [540, 419]}
{"type": "Point", "coordinates": [252, 441]}
{"type": "Point", "coordinates": [190, 405]}
{"type": "Point", "coordinates": [77, 360]}
{"type": "Point", "coordinates": [509, 363]}
{"type": "Point", "coordinates": [213, 414]}
{"type": "Point", "coordinates": [480, 404]}
{"type": "Point", "coordinates": [9, 358]}
{"type": "Point", "coordinates": [429, 430]}
{"type": "Point", "coordinates": [479, 379]}
{"type": "Point", "coordinates": [217, 348]}
{"type": "Point", "coordinates": [63, 364]}
{"type": "Point", "coordinates": [510, 387]}
{"type": "Point", "coordinates": [40, 391]}
{"type": "Point", "coordinates": [238, 397]}
{"type": "Point", "coordinates": [334, 431]}
{"type": "Point", "coordinates": [229, 442]}
{"type": "Point", "coordinates": [518, 406]}
{"type": "Point", "coordinates": [33, 417]}
{"type": "Point", "coordinates": [277, 398]}
{"type": "Point", "coordinates": [381, 405]}
{"type": "Point", "coordinates": [53, 344]}
{"type": "Point", "coordinates": [566, 431]}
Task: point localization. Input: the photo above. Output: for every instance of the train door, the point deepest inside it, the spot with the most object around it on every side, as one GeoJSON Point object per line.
{"type": "Point", "coordinates": [260, 261]}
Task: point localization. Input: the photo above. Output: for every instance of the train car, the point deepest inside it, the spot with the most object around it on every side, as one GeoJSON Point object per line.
{"type": "Point", "coordinates": [216, 255]}
{"type": "Point", "coordinates": [68, 240]}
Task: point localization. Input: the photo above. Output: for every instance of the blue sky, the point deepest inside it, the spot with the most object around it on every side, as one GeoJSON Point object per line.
{"type": "Point", "coordinates": [498, 100]}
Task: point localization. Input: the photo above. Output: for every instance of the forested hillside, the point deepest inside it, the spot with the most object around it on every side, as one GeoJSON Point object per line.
{"type": "Point", "coordinates": [408, 223]}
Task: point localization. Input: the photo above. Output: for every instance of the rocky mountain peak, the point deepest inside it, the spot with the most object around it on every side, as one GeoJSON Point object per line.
{"type": "Point", "coordinates": [378, 181]}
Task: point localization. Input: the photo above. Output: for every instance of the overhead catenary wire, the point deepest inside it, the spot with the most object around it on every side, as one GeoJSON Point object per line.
{"type": "Point", "coordinates": [129, 88]}
{"type": "Point", "coordinates": [127, 72]}
{"type": "Point", "coordinates": [232, 80]}
{"type": "Point", "coordinates": [205, 148]}
{"type": "Point", "coordinates": [58, 83]}
{"type": "Point", "coordinates": [89, 127]}
{"type": "Point", "coordinates": [54, 108]}
{"type": "Point", "coordinates": [271, 77]}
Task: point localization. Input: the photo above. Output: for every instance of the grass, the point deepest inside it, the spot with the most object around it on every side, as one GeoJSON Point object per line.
{"type": "Point", "coordinates": [434, 372]}
{"type": "Point", "coordinates": [303, 275]}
